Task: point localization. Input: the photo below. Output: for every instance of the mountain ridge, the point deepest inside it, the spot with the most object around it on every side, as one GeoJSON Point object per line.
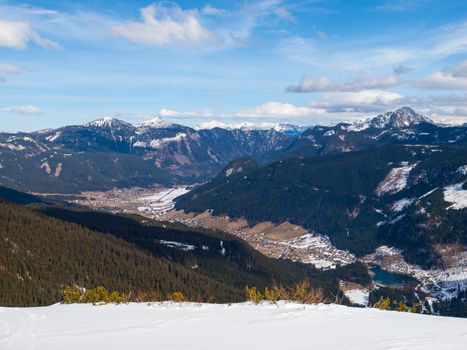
{"type": "Point", "coordinates": [156, 152]}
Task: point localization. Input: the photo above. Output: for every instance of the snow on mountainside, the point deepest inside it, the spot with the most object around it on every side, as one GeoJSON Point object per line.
{"type": "Point", "coordinates": [400, 126]}
{"type": "Point", "coordinates": [280, 127]}
{"type": "Point", "coordinates": [213, 326]}
{"type": "Point", "coordinates": [396, 180]}
{"type": "Point", "coordinates": [108, 122]}
{"type": "Point", "coordinates": [160, 152]}
{"type": "Point", "coordinates": [456, 195]}
{"type": "Point", "coordinates": [400, 118]}
{"type": "Point", "coordinates": [155, 123]}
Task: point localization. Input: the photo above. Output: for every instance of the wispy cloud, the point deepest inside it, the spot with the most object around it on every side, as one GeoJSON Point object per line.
{"type": "Point", "coordinates": [165, 26]}
{"type": "Point", "coordinates": [364, 101]}
{"type": "Point", "coordinates": [170, 113]}
{"type": "Point", "coordinates": [9, 68]}
{"type": "Point", "coordinates": [214, 11]}
{"type": "Point", "coordinates": [284, 14]}
{"type": "Point", "coordinates": [453, 78]}
{"type": "Point", "coordinates": [363, 82]}
{"type": "Point", "coordinates": [161, 24]}
{"type": "Point", "coordinates": [275, 110]}
{"type": "Point", "coordinates": [17, 35]}
{"type": "Point", "coordinates": [22, 110]}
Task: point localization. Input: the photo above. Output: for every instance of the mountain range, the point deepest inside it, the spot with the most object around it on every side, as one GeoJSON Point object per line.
{"type": "Point", "coordinates": [108, 152]}
{"type": "Point", "coordinates": [396, 179]}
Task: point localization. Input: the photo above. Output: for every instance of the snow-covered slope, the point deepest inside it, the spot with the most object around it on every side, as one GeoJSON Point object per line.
{"type": "Point", "coordinates": [210, 326]}
{"type": "Point", "coordinates": [400, 118]}
{"type": "Point", "coordinates": [279, 127]}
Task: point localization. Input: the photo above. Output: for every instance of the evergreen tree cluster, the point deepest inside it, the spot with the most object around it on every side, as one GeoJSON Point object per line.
{"type": "Point", "coordinates": [44, 248]}
{"type": "Point", "coordinates": [39, 255]}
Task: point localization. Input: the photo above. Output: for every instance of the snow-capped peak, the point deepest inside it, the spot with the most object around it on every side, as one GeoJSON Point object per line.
{"type": "Point", "coordinates": [287, 127]}
{"type": "Point", "coordinates": [155, 123]}
{"type": "Point", "coordinates": [398, 119]}
{"type": "Point", "coordinates": [109, 122]}
{"type": "Point", "coordinates": [279, 127]}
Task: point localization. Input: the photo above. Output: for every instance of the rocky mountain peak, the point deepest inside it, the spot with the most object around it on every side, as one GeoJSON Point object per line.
{"type": "Point", "coordinates": [400, 118]}
{"type": "Point", "coordinates": [155, 123]}
{"type": "Point", "coordinates": [108, 122]}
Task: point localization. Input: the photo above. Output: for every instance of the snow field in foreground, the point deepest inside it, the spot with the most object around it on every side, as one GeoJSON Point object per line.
{"type": "Point", "coordinates": [213, 326]}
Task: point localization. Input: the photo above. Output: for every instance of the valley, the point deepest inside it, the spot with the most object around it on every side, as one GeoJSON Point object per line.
{"type": "Point", "coordinates": [388, 192]}
{"type": "Point", "coordinates": [292, 242]}
{"type": "Point", "coordinates": [284, 241]}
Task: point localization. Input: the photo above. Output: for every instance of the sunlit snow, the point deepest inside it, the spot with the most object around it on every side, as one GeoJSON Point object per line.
{"type": "Point", "coordinates": [186, 326]}
{"type": "Point", "coordinates": [456, 195]}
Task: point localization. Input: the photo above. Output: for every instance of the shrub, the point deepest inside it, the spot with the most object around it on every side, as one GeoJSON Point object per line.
{"type": "Point", "coordinates": [306, 295]}
{"type": "Point", "coordinates": [387, 304]}
{"type": "Point", "coordinates": [383, 304]}
{"type": "Point", "coordinates": [272, 295]}
{"type": "Point", "coordinates": [91, 296]}
{"type": "Point", "coordinates": [72, 295]}
{"type": "Point", "coordinates": [177, 297]}
{"type": "Point", "coordinates": [254, 295]}
{"type": "Point", "coordinates": [147, 297]}
{"type": "Point", "coordinates": [301, 293]}
{"type": "Point", "coordinates": [401, 306]}
{"type": "Point", "coordinates": [118, 298]}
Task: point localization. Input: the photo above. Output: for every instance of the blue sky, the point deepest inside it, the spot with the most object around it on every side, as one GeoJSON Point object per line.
{"type": "Point", "coordinates": [264, 61]}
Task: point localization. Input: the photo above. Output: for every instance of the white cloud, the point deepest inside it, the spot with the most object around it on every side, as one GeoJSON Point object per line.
{"type": "Point", "coordinates": [165, 26]}
{"type": "Point", "coordinates": [441, 81]}
{"type": "Point", "coordinates": [14, 34]}
{"type": "Point", "coordinates": [170, 113]}
{"type": "Point", "coordinates": [22, 110]}
{"type": "Point", "coordinates": [163, 23]}
{"type": "Point", "coordinates": [364, 101]}
{"type": "Point", "coordinates": [355, 105]}
{"type": "Point", "coordinates": [458, 71]}
{"type": "Point", "coordinates": [275, 109]}
{"type": "Point", "coordinates": [17, 35]}
{"type": "Point", "coordinates": [10, 69]}
{"type": "Point", "coordinates": [363, 82]}
{"type": "Point", "coordinates": [214, 11]}
{"type": "Point", "coordinates": [453, 78]}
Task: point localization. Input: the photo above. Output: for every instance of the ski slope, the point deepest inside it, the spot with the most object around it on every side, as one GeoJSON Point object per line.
{"type": "Point", "coordinates": [211, 326]}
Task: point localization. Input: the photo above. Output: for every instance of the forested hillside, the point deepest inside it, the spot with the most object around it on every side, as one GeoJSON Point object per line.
{"type": "Point", "coordinates": [39, 255]}
{"type": "Point", "coordinates": [386, 195]}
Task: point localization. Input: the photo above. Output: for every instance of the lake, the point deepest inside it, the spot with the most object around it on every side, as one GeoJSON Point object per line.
{"type": "Point", "coordinates": [389, 279]}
